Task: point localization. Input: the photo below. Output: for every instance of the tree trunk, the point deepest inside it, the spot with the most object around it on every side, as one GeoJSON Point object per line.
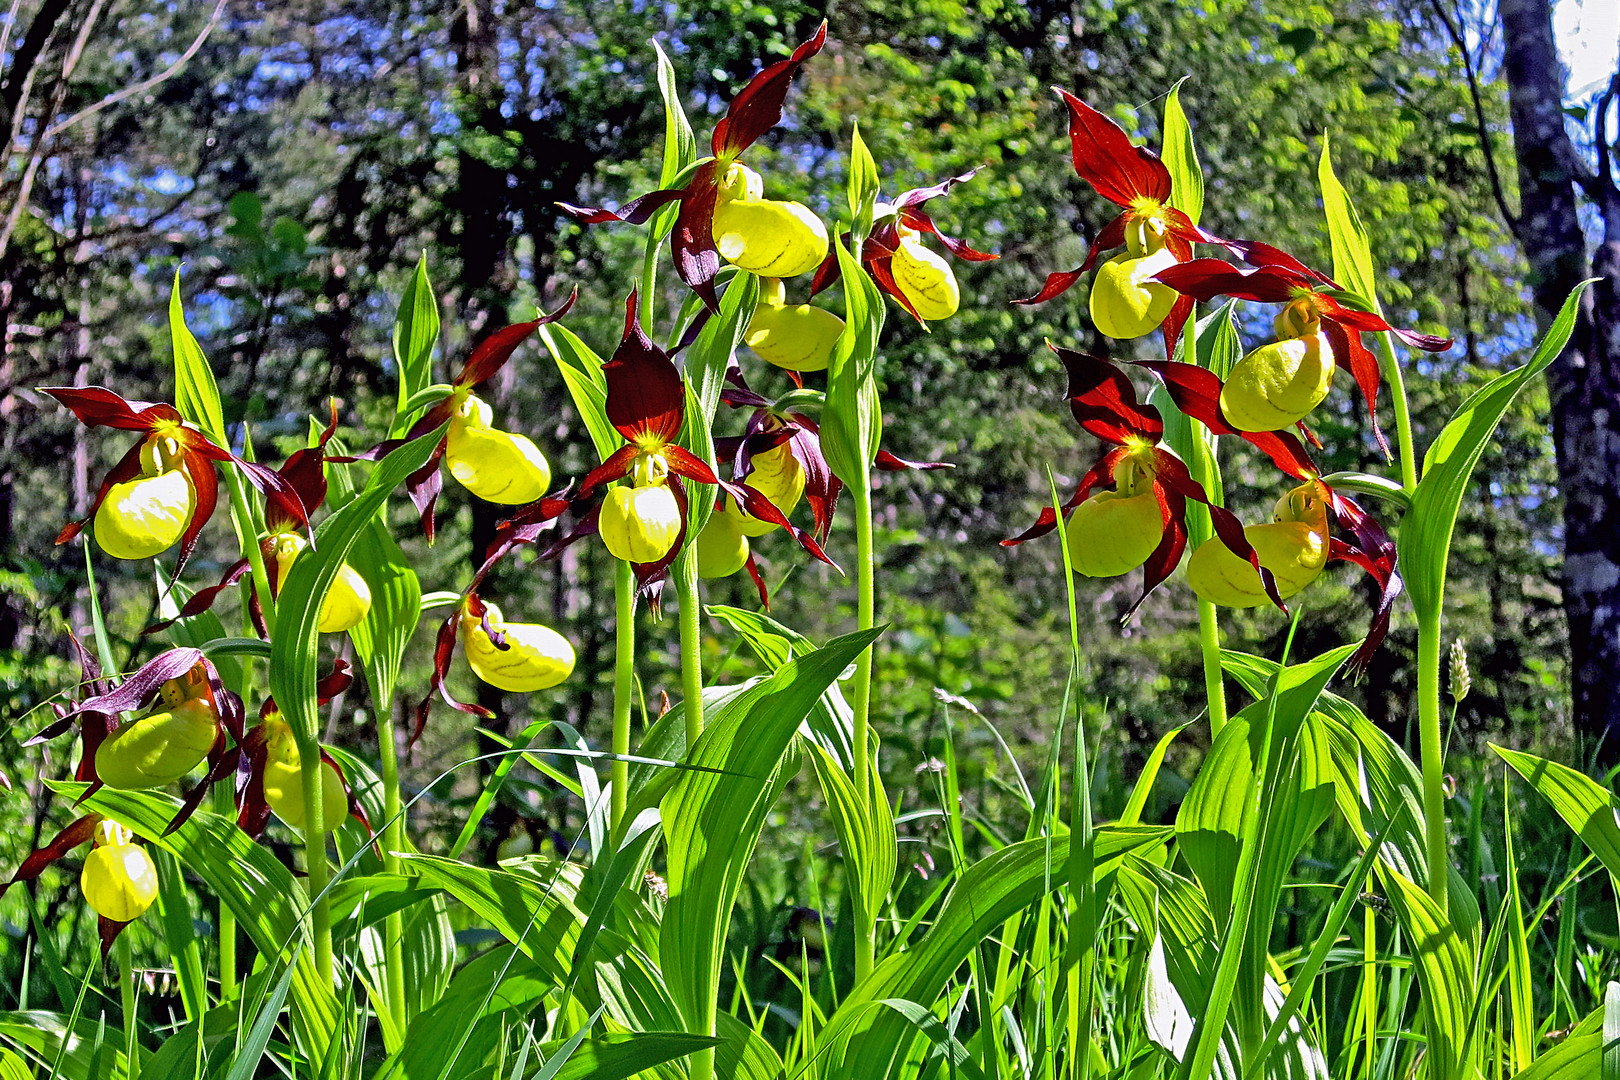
{"type": "Point", "coordinates": [1583, 384]}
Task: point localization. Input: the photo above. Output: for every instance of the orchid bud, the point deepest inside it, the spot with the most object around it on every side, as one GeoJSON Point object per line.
{"type": "Point", "coordinates": [347, 601]}
{"type": "Point", "coordinates": [924, 278]}
{"type": "Point", "coordinates": [640, 521]}
{"type": "Point", "coordinates": [284, 780]}
{"type": "Point", "coordinates": [1294, 547]}
{"type": "Point", "coordinates": [497, 466]}
{"type": "Point", "coordinates": [798, 337]}
{"type": "Point", "coordinates": [779, 477]}
{"type": "Point", "coordinates": [164, 746]}
{"type": "Point", "coordinates": [1277, 385]}
{"type": "Point", "coordinates": [722, 548]}
{"type": "Point", "coordinates": [119, 879]}
{"type": "Point", "coordinates": [141, 517]}
{"type": "Point", "coordinates": [1125, 302]}
{"type": "Point", "coordinates": [535, 657]}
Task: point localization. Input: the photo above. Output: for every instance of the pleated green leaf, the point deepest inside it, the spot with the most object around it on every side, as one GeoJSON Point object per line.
{"type": "Point", "coordinates": [1445, 972]}
{"type": "Point", "coordinates": [581, 370]}
{"type": "Point", "coordinates": [196, 394]}
{"type": "Point", "coordinates": [1181, 158]}
{"type": "Point", "coordinates": [39, 1035]}
{"type": "Point", "coordinates": [416, 333]}
{"type": "Point", "coordinates": [614, 1057]}
{"type": "Point", "coordinates": [1585, 805]}
{"type": "Point", "coordinates": [1352, 253]}
{"type": "Point", "coordinates": [865, 834]}
{"type": "Point", "coordinates": [380, 639]}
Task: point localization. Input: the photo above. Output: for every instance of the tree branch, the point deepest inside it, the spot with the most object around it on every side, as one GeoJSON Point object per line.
{"type": "Point", "coordinates": [1454, 31]}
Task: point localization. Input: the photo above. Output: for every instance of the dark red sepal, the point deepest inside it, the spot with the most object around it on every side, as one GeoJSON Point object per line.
{"type": "Point", "coordinates": [758, 106]}
{"type": "Point", "coordinates": [645, 395]}
{"type": "Point", "coordinates": [202, 599]}
{"type": "Point", "coordinates": [759, 582]}
{"type": "Point", "coordinates": [491, 354]}
{"type": "Point", "coordinates": [1172, 542]}
{"type": "Point", "coordinates": [637, 211]}
{"type": "Point", "coordinates": [97, 406]}
{"type": "Point", "coordinates": [1105, 158]}
{"type": "Point", "coordinates": [1047, 520]}
{"type": "Point", "coordinates": [1364, 368]}
{"type": "Point", "coordinates": [1104, 401]}
{"type": "Point", "coordinates": [304, 472]}
{"type": "Point", "coordinates": [141, 689]}
{"type": "Point", "coordinates": [1205, 279]}
{"type": "Point", "coordinates": [79, 831]}
{"type": "Point", "coordinates": [444, 648]}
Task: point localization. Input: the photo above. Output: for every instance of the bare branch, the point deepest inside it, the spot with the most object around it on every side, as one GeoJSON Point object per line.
{"type": "Point", "coordinates": [141, 87]}
{"type": "Point", "coordinates": [1454, 31]}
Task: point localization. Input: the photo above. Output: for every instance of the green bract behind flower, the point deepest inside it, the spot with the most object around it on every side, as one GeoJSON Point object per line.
{"type": "Point", "coordinates": [535, 657]}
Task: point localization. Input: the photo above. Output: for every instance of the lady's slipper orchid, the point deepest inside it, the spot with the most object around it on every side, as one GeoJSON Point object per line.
{"type": "Point", "coordinates": [164, 490]}
{"type": "Point", "coordinates": [797, 337]}
{"type": "Point", "coordinates": [901, 264]}
{"type": "Point", "coordinates": [1142, 522]}
{"type": "Point", "coordinates": [269, 768]}
{"type": "Point", "coordinates": [162, 747]}
{"type": "Point", "coordinates": [497, 466]}
{"type": "Point", "coordinates": [776, 474]}
{"type": "Point", "coordinates": [1293, 546]}
{"type": "Point", "coordinates": [723, 214]}
{"type": "Point", "coordinates": [118, 879]}
{"type": "Point", "coordinates": [1285, 381]}
{"type": "Point", "coordinates": [722, 547]}
{"type": "Point", "coordinates": [1126, 300]}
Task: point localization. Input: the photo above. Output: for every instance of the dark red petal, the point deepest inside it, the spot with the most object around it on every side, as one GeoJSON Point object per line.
{"type": "Point", "coordinates": [1364, 367]}
{"type": "Point", "coordinates": [221, 763]}
{"type": "Point", "coordinates": [757, 505]}
{"type": "Point", "coordinates": [128, 468]}
{"type": "Point", "coordinates": [141, 688]}
{"type": "Point", "coordinates": [637, 211]}
{"type": "Point", "coordinates": [1104, 401]}
{"type": "Point", "coordinates": [1172, 542]}
{"type": "Point", "coordinates": [918, 196]}
{"type": "Point", "coordinates": [202, 599]}
{"type": "Point", "coordinates": [1181, 233]}
{"type": "Point", "coordinates": [494, 351]}
{"type": "Point", "coordinates": [1175, 321]}
{"type": "Point", "coordinates": [444, 649]}
{"type": "Point", "coordinates": [1371, 323]}
{"type": "Point", "coordinates": [1205, 279]}
{"type": "Point", "coordinates": [692, 241]}
{"type": "Point", "coordinates": [650, 576]}
{"type": "Point", "coordinates": [1173, 474]}
{"type": "Point", "coordinates": [920, 221]}
{"type": "Point", "coordinates": [252, 809]}
{"type": "Point", "coordinates": [334, 682]}
{"type": "Point", "coordinates": [821, 487]}
{"type": "Point", "coordinates": [1197, 392]}
{"type": "Point", "coordinates": [1112, 236]}
{"type": "Point", "coordinates": [1259, 253]}
{"type": "Point", "coordinates": [683, 462]}
{"type": "Point", "coordinates": [205, 482]}
{"type": "Point", "coordinates": [759, 582]}
{"type": "Point", "coordinates": [882, 273]}
{"type": "Point", "coordinates": [1047, 521]}
{"type": "Point", "coordinates": [1056, 285]}
{"type": "Point", "coordinates": [1105, 159]}
{"type": "Point", "coordinates": [78, 832]}
{"type": "Point", "coordinates": [304, 472]}
{"type": "Point", "coordinates": [356, 811]}
{"type": "Point", "coordinates": [758, 106]}
{"type": "Point", "coordinates": [108, 930]}
{"type": "Point", "coordinates": [97, 406]}
{"type": "Point", "coordinates": [423, 487]}
{"type": "Point", "coordinates": [828, 272]}
{"type": "Point", "coordinates": [887, 462]}
{"type": "Point", "coordinates": [616, 467]}
{"type": "Point", "coordinates": [645, 396]}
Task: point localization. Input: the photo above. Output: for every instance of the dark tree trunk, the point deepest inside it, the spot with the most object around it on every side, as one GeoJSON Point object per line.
{"type": "Point", "coordinates": [1584, 383]}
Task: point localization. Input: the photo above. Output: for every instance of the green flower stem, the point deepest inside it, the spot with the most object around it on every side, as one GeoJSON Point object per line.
{"type": "Point", "coordinates": [1403, 412]}
{"type": "Point", "coordinates": [227, 918]}
{"type": "Point", "coordinates": [866, 931]}
{"type": "Point", "coordinates": [686, 592]}
{"type": "Point", "coordinates": [393, 843]}
{"type": "Point", "coordinates": [1209, 641]}
{"type": "Point", "coordinates": [624, 684]}
{"type": "Point", "coordinates": [1434, 766]}
{"type": "Point", "coordinates": [126, 997]}
{"type": "Point", "coordinates": [309, 764]}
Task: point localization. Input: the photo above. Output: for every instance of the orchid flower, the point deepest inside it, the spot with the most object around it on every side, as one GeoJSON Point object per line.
{"type": "Point", "coordinates": [119, 880]}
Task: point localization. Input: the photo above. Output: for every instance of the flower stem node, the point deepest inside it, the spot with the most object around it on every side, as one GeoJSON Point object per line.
{"type": "Point", "coordinates": [1277, 385]}
{"type": "Point", "coordinates": [347, 601]}
{"type": "Point", "coordinates": [767, 237]}
{"type": "Point", "coordinates": [798, 337]}
{"type": "Point", "coordinates": [1294, 547]}
{"type": "Point", "coordinates": [925, 278]}
{"type": "Point", "coordinates": [163, 747]}
{"type": "Point", "coordinates": [497, 466]}
{"type": "Point", "coordinates": [530, 656]}
{"type": "Point", "coordinates": [119, 879]}
{"type": "Point", "coordinates": [778, 476]}
{"type": "Point", "coordinates": [147, 515]}
{"type": "Point", "coordinates": [640, 521]}
{"type": "Point", "coordinates": [722, 548]}
{"type": "Point", "coordinates": [284, 780]}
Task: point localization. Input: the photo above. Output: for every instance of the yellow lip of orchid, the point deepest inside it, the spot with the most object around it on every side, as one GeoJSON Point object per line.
{"type": "Point", "coordinates": [284, 780]}
{"type": "Point", "coordinates": [536, 656]}
{"type": "Point", "coordinates": [1277, 385]}
{"type": "Point", "coordinates": [142, 517]}
{"type": "Point", "coordinates": [798, 337]}
{"type": "Point", "coordinates": [1114, 532]}
{"type": "Point", "coordinates": [641, 520]}
{"type": "Point", "coordinates": [925, 278]}
{"type": "Point", "coordinates": [722, 547]}
{"type": "Point", "coordinates": [778, 476]}
{"type": "Point", "coordinates": [162, 747]}
{"type": "Point", "coordinates": [497, 466]}
{"type": "Point", "coordinates": [1294, 547]}
{"type": "Point", "coordinates": [347, 601]}
{"type": "Point", "coordinates": [119, 879]}
{"type": "Point", "coordinates": [769, 237]}
{"type": "Point", "coordinates": [1125, 303]}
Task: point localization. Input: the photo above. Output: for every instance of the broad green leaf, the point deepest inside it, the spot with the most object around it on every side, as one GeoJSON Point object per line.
{"type": "Point", "coordinates": [712, 820]}
{"type": "Point", "coordinates": [617, 1056]}
{"type": "Point", "coordinates": [1181, 158]}
{"type": "Point", "coordinates": [416, 333]}
{"type": "Point", "coordinates": [381, 637]}
{"type": "Point", "coordinates": [865, 834]}
{"type": "Point", "coordinates": [295, 652]}
{"type": "Point", "coordinates": [1585, 805]}
{"type": "Point", "coordinates": [196, 394]}
{"type": "Point", "coordinates": [180, 934]}
{"type": "Point", "coordinates": [40, 1036]}
{"type": "Point", "coordinates": [862, 187]}
{"type": "Point", "coordinates": [1611, 1032]}
{"type": "Point", "coordinates": [1446, 976]}
{"type": "Point", "coordinates": [465, 1026]}
{"type": "Point", "coordinates": [1424, 541]}
{"type": "Point", "coordinates": [582, 373]}
{"type": "Point", "coordinates": [13, 1067]}
{"type": "Point", "coordinates": [852, 418]}
{"type": "Point", "coordinates": [1352, 254]}
{"type": "Point", "coordinates": [1132, 814]}
{"type": "Point", "coordinates": [743, 1054]}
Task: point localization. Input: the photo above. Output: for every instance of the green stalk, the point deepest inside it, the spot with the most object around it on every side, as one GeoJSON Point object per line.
{"type": "Point", "coordinates": [1434, 770]}
{"type": "Point", "coordinates": [393, 843]}
{"type": "Point", "coordinates": [227, 918]}
{"type": "Point", "coordinates": [126, 996]}
{"type": "Point", "coordinates": [866, 931]}
{"type": "Point", "coordinates": [309, 764]}
{"type": "Point", "coordinates": [624, 684]}
{"type": "Point", "coordinates": [686, 592]}
{"type": "Point", "coordinates": [1209, 641]}
{"type": "Point", "coordinates": [1403, 412]}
